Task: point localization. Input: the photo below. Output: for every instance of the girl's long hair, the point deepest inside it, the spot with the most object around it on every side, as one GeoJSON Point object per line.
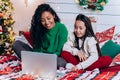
{"type": "Point", "coordinates": [37, 30]}
{"type": "Point", "coordinates": [89, 32]}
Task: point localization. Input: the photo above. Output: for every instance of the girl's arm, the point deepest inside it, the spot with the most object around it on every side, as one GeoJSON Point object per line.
{"type": "Point", "coordinates": [70, 44]}
{"type": "Point", "coordinates": [92, 49]}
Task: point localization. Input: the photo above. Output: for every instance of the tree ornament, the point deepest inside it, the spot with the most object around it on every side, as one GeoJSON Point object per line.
{"type": "Point", "coordinates": [96, 5]}
{"type": "Point", "coordinates": [1, 31]}
{"type": "Point", "coordinates": [1, 15]}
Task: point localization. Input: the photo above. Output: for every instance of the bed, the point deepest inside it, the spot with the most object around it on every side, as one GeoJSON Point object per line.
{"type": "Point", "coordinates": [10, 65]}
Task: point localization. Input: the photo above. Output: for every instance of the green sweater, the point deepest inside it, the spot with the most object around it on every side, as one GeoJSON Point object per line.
{"type": "Point", "coordinates": [54, 40]}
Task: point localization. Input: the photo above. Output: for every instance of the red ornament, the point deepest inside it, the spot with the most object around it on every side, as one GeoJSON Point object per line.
{"type": "Point", "coordinates": [1, 15]}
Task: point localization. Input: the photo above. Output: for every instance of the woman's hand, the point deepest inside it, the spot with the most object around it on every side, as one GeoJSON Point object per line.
{"type": "Point", "coordinates": [81, 56]}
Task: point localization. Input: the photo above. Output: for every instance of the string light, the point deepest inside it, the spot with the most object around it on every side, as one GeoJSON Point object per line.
{"type": "Point", "coordinates": [76, 1]}
{"type": "Point", "coordinates": [26, 2]}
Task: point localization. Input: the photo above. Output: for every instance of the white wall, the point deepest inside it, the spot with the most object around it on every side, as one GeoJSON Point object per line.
{"type": "Point", "coordinates": [68, 9]}
{"type": "Point", "coordinates": [23, 14]}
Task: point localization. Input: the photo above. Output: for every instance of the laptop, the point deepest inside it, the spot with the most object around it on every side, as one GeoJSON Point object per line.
{"type": "Point", "coordinates": [42, 65]}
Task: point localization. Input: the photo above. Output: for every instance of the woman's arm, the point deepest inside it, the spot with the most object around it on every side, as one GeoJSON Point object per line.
{"type": "Point", "coordinates": [63, 34]}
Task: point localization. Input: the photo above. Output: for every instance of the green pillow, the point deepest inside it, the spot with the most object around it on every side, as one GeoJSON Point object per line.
{"type": "Point", "coordinates": [110, 48]}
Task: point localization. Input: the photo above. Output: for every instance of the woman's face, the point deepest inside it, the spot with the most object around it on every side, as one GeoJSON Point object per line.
{"type": "Point", "coordinates": [47, 20]}
{"type": "Point", "coordinates": [79, 28]}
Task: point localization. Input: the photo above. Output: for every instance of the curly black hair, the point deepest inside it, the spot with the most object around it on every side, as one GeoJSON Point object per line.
{"type": "Point", "coordinates": [37, 30]}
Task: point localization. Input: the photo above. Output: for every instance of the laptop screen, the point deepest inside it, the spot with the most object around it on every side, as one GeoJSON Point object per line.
{"type": "Point", "coordinates": [41, 65]}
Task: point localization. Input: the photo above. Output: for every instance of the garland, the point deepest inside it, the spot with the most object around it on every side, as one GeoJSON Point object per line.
{"type": "Point", "coordinates": [96, 5]}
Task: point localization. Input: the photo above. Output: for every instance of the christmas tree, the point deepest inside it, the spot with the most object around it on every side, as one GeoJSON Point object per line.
{"type": "Point", "coordinates": [6, 26]}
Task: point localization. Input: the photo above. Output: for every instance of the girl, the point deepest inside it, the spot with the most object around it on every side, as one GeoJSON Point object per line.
{"type": "Point", "coordinates": [82, 49]}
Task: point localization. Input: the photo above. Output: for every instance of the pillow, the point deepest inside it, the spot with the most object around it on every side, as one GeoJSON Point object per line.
{"type": "Point", "coordinates": [110, 49]}
{"type": "Point", "coordinates": [27, 36]}
{"type": "Point", "coordinates": [116, 60]}
{"type": "Point", "coordinates": [116, 38]}
{"type": "Point", "coordinates": [105, 35]}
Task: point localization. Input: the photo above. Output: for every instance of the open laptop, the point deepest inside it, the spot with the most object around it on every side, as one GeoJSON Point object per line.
{"type": "Point", "coordinates": [39, 64]}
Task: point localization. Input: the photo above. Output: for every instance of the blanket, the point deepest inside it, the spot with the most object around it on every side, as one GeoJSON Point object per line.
{"type": "Point", "coordinates": [10, 69]}
{"type": "Point", "coordinates": [95, 74]}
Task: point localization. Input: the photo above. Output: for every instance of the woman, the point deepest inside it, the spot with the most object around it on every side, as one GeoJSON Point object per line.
{"type": "Point", "coordinates": [47, 33]}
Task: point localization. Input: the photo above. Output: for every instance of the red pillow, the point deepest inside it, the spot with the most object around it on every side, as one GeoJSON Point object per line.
{"type": "Point", "coordinates": [27, 36]}
{"type": "Point", "coordinates": [116, 60]}
{"type": "Point", "coordinates": [105, 35]}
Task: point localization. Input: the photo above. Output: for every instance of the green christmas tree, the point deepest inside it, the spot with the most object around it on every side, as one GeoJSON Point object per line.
{"type": "Point", "coordinates": [6, 25]}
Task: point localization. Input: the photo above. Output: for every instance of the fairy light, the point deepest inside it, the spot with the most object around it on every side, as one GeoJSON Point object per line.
{"type": "Point", "coordinates": [76, 1]}
{"type": "Point", "coordinates": [26, 2]}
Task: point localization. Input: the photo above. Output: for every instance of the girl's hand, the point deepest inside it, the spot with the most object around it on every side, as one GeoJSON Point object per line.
{"type": "Point", "coordinates": [74, 68]}
{"type": "Point", "coordinates": [81, 56]}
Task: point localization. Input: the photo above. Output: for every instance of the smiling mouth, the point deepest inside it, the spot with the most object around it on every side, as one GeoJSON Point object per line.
{"type": "Point", "coordinates": [78, 33]}
{"type": "Point", "coordinates": [47, 25]}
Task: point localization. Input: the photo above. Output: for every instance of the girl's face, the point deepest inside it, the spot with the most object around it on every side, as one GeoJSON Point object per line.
{"type": "Point", "coordinates": [79, 28]}
{"type": "Point", "coordinates": [47, 20]}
